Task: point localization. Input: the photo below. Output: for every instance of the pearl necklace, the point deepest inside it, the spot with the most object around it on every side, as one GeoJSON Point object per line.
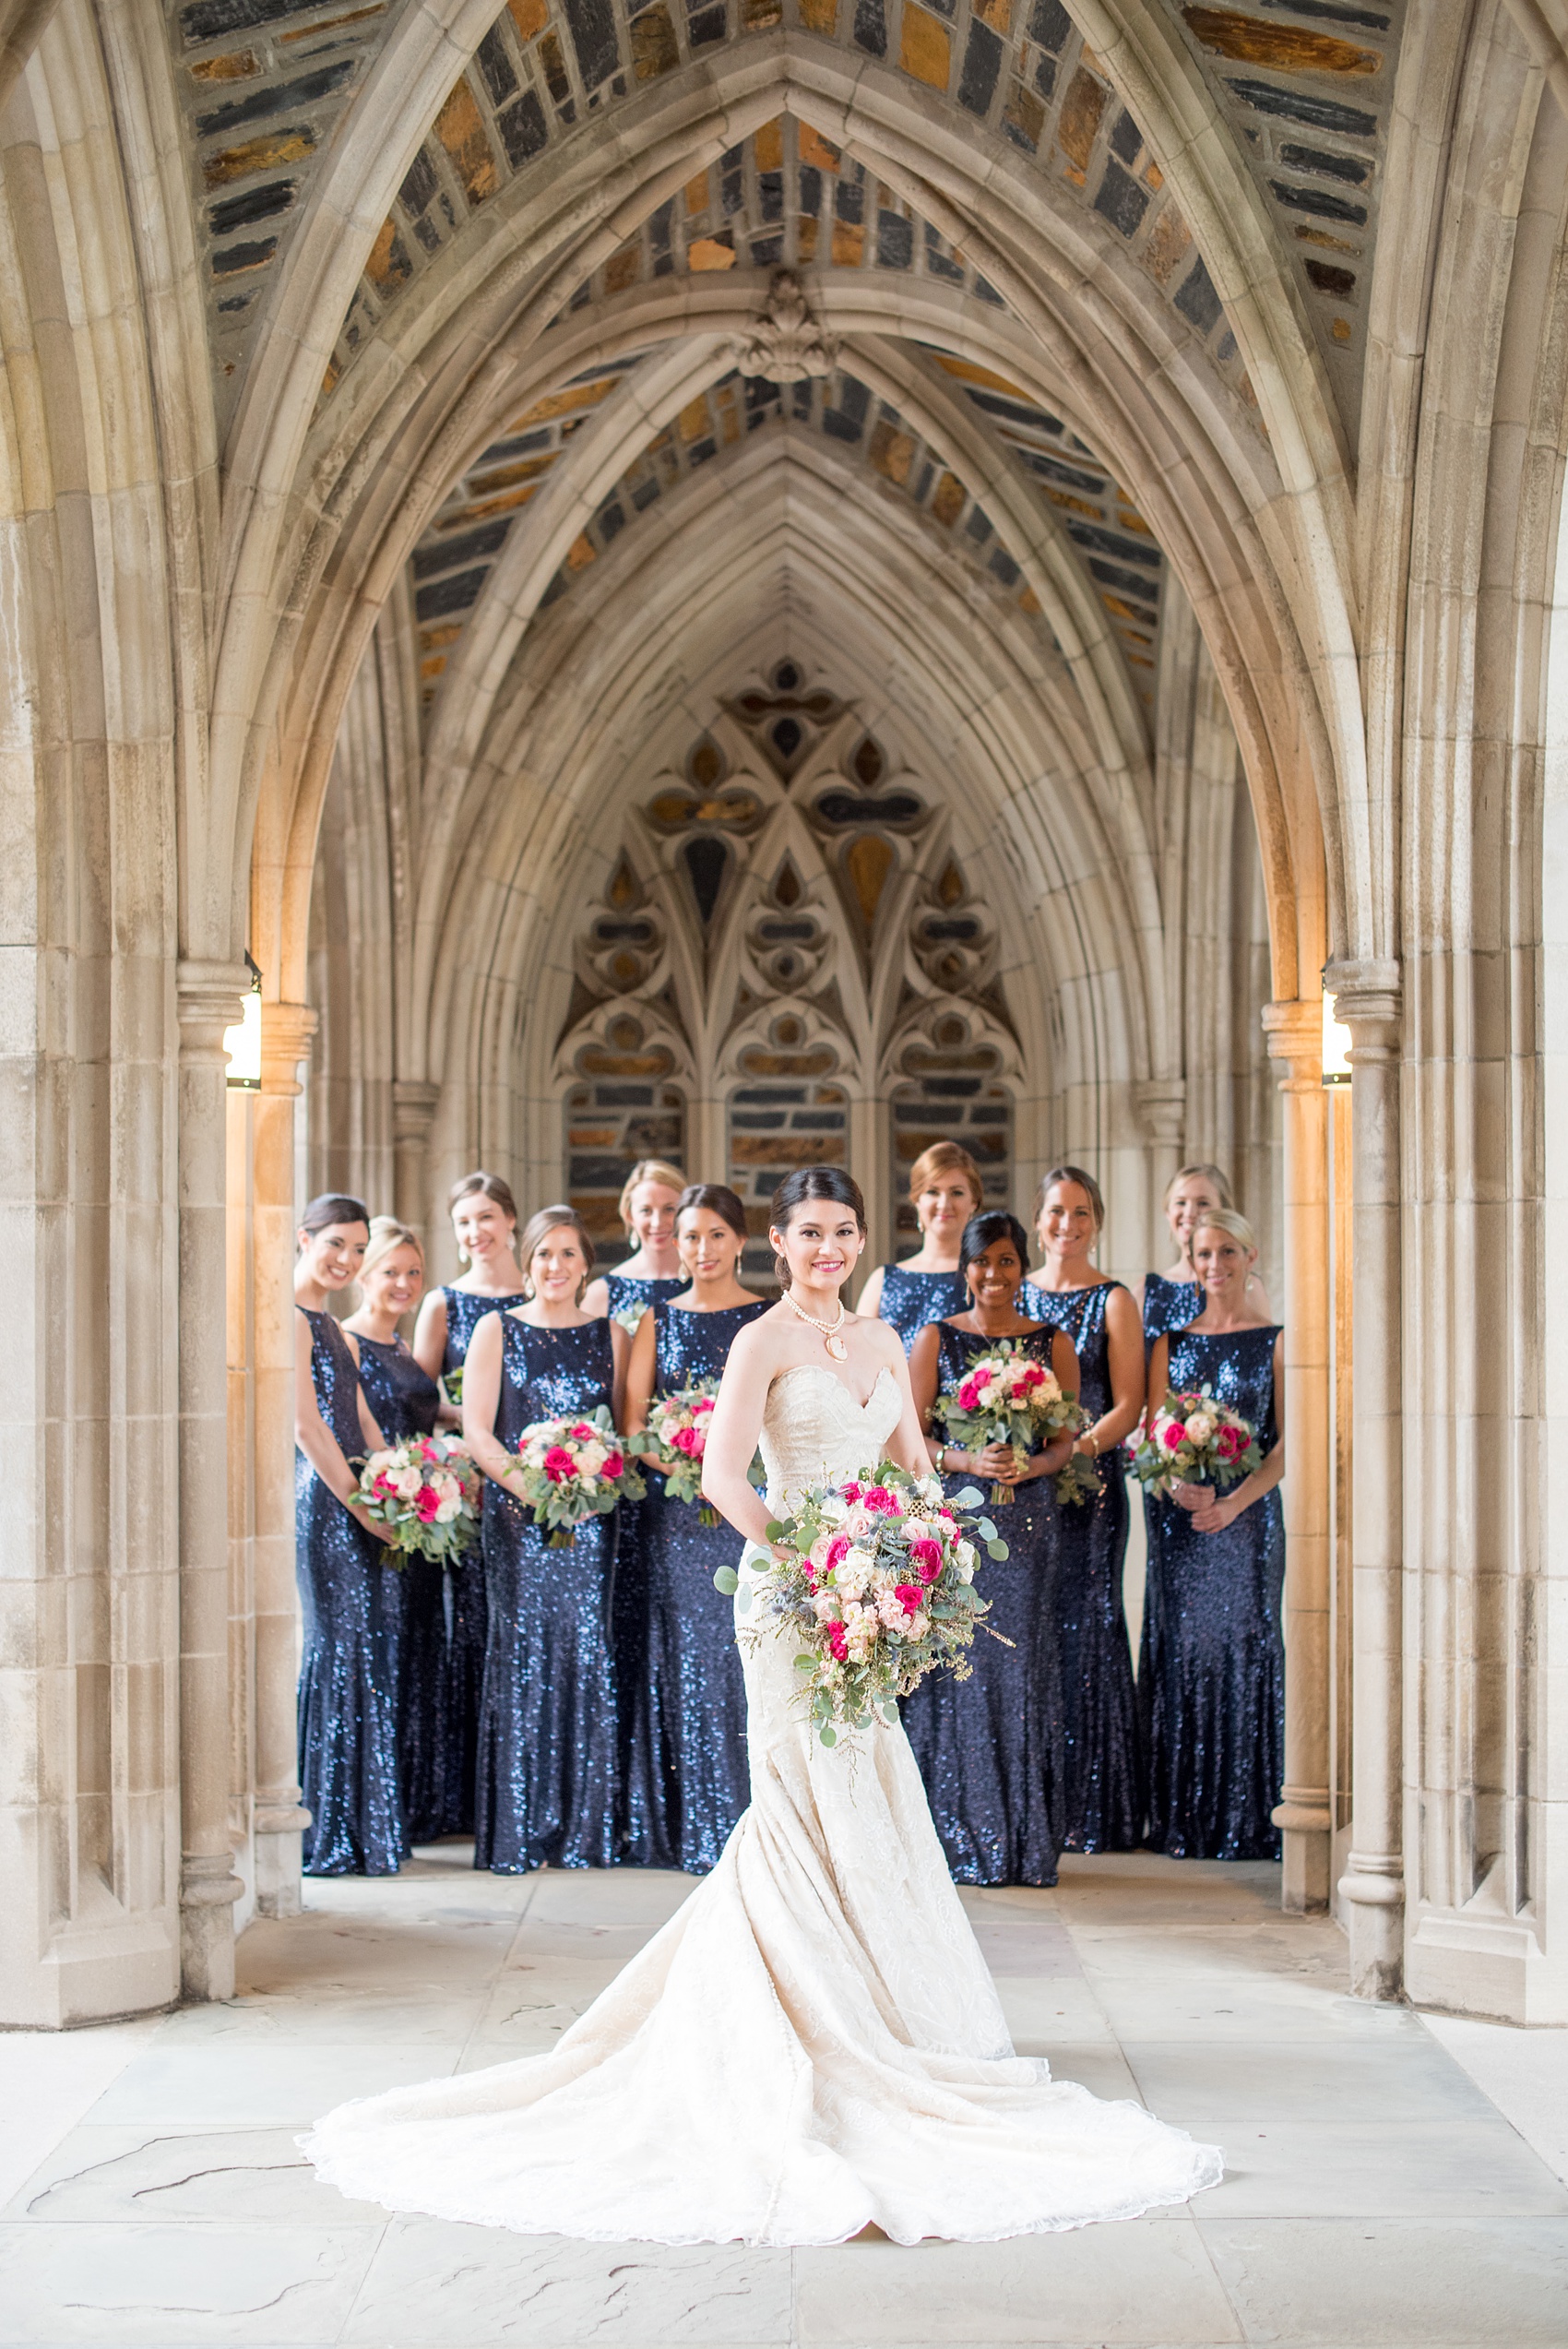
{"type": "Point", "coordinates": [830, 1338]}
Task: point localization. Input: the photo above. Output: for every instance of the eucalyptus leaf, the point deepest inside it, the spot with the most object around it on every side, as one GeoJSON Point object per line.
{"type": "Point", "coordinates": [743, 1603]}
{"type": "Point", "coordinates": [805, 1663]}
{"type": "Point", "coordinates": [997, 1550]}
{"type": "Point", "coordinates": [774, 1530]}
{"type": "Point", "coordinates": [828, 1734]}
{"type": "Point", "coordinates": [985, 1529]}
{"type": "Point", "coordinates": [726, 1580]}
{"type": "Point", "coordinates": [970, 1498]}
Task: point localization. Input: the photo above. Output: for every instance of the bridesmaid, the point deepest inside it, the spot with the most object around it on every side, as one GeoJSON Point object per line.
{"type": "Point", "coordinates": [652, 1273]}
{"type": "Point", "coordinates": [1170, 1299]}
{"type": "Point", "coordinates": [685, 1701]}
{"type": "Point", "coordinates": [485, 1224]}
{"type": "Point", "coordinates": [406, 1400]}
{"type": "Point", "coordinates": [545, 1792]}
{"type": "Point", "coordinates": [348, 1726]}
{"type": "Point", "coordinates": [1104, 1773]}
{"type": "Point", "coordinates": [944, 1184]}
{"type": "Point", "coordinates": [990, 1751]}
{"type": "Point", "coordinates": [1212, 1673]}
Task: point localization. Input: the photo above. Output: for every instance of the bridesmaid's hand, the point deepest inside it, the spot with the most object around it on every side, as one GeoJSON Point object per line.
{"type": "Point", "coordinates": [371, 1524]}
{"type": "Point", "coordinates": [1000, 1464]}
{"type": "Point", "coordinates": [1057, 1453]}
{"type": "Point", "coordinates": [1215, 1514]}
{"type": "Point", "coordinates": [1191, 1498]}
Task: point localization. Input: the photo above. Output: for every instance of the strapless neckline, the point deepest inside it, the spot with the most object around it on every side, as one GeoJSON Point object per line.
{"type": "Point", "coordinates": [820, 1371]}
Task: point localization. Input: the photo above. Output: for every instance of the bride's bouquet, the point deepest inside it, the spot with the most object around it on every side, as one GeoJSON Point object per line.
{"type": "Point", "coordinates": [425, 1493]}
{"type": "Point", "coordinates": [675, 1440]}
{"type": "Point", "coordinates": [876, 1583]}
{"type": "Point", "coordinates": [1006, 1397]}
{"type": "Point", "coordinates": [1193, 1438]}
{"type": "Point", "coordinates": [575, 1469]}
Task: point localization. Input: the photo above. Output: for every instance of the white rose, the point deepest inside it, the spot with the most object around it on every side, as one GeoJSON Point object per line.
{"type": "Point", "coordinates": [1200, 1428]}
{"type": "Point", "coordinates": [409, 1483]}
{"type": "Point", "coordinates": [919, 1626]}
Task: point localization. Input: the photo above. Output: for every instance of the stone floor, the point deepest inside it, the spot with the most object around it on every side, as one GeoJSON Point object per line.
{"type": "Point", "coordinates": [1376, 2193]}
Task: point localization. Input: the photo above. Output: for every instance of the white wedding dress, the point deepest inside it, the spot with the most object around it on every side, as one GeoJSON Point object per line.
{"type": "Point", "coordinates": [812, 2043]}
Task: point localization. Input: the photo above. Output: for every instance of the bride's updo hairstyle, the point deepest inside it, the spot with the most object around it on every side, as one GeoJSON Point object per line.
{"type": "Point", "coordinates": [814, 1183]}
{"type": "Point", "coordinates": [983, 1231]}
{"type": "Point", "coordinates": [718, 1199]}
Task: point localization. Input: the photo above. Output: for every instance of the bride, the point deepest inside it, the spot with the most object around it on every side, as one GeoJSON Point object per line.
{"type": "Point", "coordinates": [813, 2044]}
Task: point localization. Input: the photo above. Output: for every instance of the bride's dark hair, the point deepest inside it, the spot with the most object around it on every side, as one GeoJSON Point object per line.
{"type": "Point", "coordinates": [814, 1183]}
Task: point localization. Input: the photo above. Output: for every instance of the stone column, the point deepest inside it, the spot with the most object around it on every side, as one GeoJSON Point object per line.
{"type": "Point", "coordinates": [1303, 1817]}
{"type": "Point", "coordinates": [414, 1104]}
{"type": "Point", "coordinates": [1161, 1105]}
{"type": "Point", "coordinates": [286, 1032]}
{"type": "Point", "coordinates": [209, 995]}
{"type": "Point", "coordinates": [1367, 996]}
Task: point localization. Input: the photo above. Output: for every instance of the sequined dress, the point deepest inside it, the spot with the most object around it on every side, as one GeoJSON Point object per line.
{"type": "Point", "coordinates": [1106, 1787]}
{"type": "Point", "coordinates": [405, 1399]}
{"type": "Point", "coordinates": [990, 1748]}
{"type": "Point", "coordinates": [685, 1767]}
{"type": "Point", "coordinates": [810, 2045]}
{"type": "Point", "coordinates": [1168, 1305]}
{"type": "Point", "coordinates": [545, 1788]}
{"type": "Point", "coordinates": [911, 1300]}
{"type": "Point", "coordinates": [1212, 1678]}
{"type": "Point", "coordinates": [629, 1297]}
{"type": "Point", "coordinates": [465, 1628]}
{"type": "Point", "coordinates": [350, 1604]}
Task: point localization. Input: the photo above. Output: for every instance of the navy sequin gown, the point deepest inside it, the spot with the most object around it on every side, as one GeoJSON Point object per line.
{"type": "Point", "coordinates": [683, 1699]}
{"type": "Point", "coordinates": [464, 1676]}
{"type": "Point", "coordinates": [546, 1780]}
{"type": "Point", "coordinates": [1168, 1305]}
{"type": "Point", "coordinates": [630, 1297]}
{"type": "Point", "coordinates": [1212, 1678]}
{"type": "Point", "coordinates": [350, 1604]}
{"type": "Point", "coordinates": [990, 1748]}
{"type": "Point", "coordinates": [405, 1399]}
{"type": "Point", "coordinates": [1106, 1786]}
{"type": "Point", "coordinates": [911, 1300]}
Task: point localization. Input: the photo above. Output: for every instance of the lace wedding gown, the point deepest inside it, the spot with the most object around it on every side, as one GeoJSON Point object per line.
{"type": "Point", "coordinates": [812, 2043]}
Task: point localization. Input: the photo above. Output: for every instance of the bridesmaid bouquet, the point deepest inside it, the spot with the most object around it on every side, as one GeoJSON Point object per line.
{"type": "Point", "coordinates": [877, 1586]}
{"type": "Point", "coordinates": [1006, 1397]}
{"type": "Point", "coordinates": [425, 1493]}
{"type": "Point", "coordinates": [675, 1440]}
{"type": "Point", "coordinates": [575, 1469]}
{"type": "Point", "coordinates": [1193, 1438]}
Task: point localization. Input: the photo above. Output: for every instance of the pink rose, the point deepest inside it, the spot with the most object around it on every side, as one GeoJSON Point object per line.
{"type": "Point", "coordinates": [559, 1464]}
{"type": "Point", "coordinates": [1033, 1375]}
{"type": "Point", "coordinates": [968, 1395]}
{"type": "Point", "coordinates": [582, 1433]}
{"type": "Point", "coordinates": [687, 1440]}
{"type": "Point", "coordinates": [908, 1595]}
{"type": "Point", "coordinates": [837, 1551]}
{"type": "Point", "coordinates": [614, 1465]}
{"type": "Point", "coordinates": [1229, 1442]}
{"type": "Point", "coordinates": [877, 1496]}
{"type": "Point", "coordinates": [1175, 1437]}
{"type": "Point", "coordinates": [427, 1500]}
{"type": "Point", "coordinates": [836, 1641]}
{"type": "Point", "coordinates": [927, 1555]}
{"type": "Point", "coordinates": [851, 1492]}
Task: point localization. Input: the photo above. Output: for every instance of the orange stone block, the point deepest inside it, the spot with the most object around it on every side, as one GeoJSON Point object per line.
{"type": "Point", "coordinates": [1081, 111]}
{"type": "Point", "coordinates": [1249, 41]}
{"type": "Point", "coordinates": [710, 253]}
{"type": "Point", "coordinates": [695, 422]}
{"type": "Point", "coordinates": [461, 128]}
{"type": "Point", "coordinates": [695, 193]}
{"type": "Point", "coordinates": [580, 553]}
{"type": "Point", "coordinates": [770, 145]}
{"type": "Point", "coordinates": [806, 236]}
{"type": "Point", "coordinates": [891, 452]}
{"type": "Point", "coordinates": [623, 268]}
{"type": "Point", "coordinates": [849, 243]}
{"type": "Point", "coordinates": [997, 14]}
{"type": "Point", "coordinates": [530, 17]}
{"type": "Point", "coordinates": [238, 66]}
{"type": "Point", "coordinates": [948, 502]}
{"type": "Point", "coordinates": [968, 371]}
{"type": "Point", "coordinates": [1167, 244]}
{"type": "Point", "coordinates": [654, 48]}
{"type": "Point", "coordinates": [820, 16]}
{"type": "Point", "coordinates": [257, 155]}
{"type": "Point", "coordinates": [925, 47]}
{"type": "Point", "coordinates": [816, 149]}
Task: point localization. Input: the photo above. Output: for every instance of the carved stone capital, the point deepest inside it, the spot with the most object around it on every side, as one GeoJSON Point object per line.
{"type": "Point", "coordinates": [1369, 1000]}
{"type": "Point", "coordinates": [1161, 1105]}
{"type": "Point", "coordinates": [1294, 1029]}
{"type": "Point", "coordinates": [209, 998]}
{"type": "Point", "coordinates": [286, 1032]}
{"type": "Point", "coordinates": [788, 344]}
{"type": "Point", "coordinates": [414, 1104]}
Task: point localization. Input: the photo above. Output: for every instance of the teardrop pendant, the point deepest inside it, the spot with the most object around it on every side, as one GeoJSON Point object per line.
{"type": "Point", "coordinates": [837, 1349]}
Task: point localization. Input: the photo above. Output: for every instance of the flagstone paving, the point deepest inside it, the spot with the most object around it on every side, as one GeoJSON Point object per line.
{"type": "Point", "coordinates": [1390, 2185]}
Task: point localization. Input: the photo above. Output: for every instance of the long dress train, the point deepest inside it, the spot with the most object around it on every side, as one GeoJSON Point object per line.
{"type": "Point", "coordinates": [812, 2044]}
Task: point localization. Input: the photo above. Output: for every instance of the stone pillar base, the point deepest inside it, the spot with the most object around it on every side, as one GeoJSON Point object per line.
{"type": "Point", "coordinates": [280, 1861]}
{"type": "Point", "coordinates": [1375, 1920]}
{"type": "Point", "coordinates": [207, 1893]}
{"type": "Point", "coordinates": [1304, 1826]}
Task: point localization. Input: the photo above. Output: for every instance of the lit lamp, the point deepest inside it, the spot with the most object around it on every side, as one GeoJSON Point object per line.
{"type": "Point", "coordinates": [243, 1041]}
{"type": "Point", "coordinates": [1337, 1042]}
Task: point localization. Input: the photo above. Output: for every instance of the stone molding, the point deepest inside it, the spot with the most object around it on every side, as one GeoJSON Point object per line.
{"type": "Point", "coordinates": [414, 1104]}
{"type": "Point", "coordinates": [1369, 1000]}
{"type": "Point", "coordinates": [1294, 1029]}
{"type": "Point", "coordinates": [1161, 1106]}
{"type": "Point", "coordinates": [286, 1032]}
{"type": "Point", "coordinates": [209, 998]}
{"type": "Point", "coordinates": [788, 344]}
